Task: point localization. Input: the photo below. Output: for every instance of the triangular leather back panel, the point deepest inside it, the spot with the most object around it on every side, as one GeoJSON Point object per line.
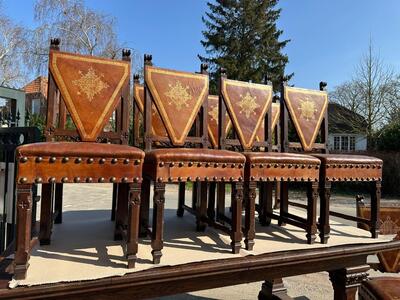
{"type": "Point", "coordinates": [275, 118]}
{"type": "Point", "coordinates": [212, 121]}
{"type": "Point", "coordinates": [307, 108]}
{"type": "Point", "coordinates": [157, 127]}
{"type": "Point", "coordinates": [247, 104]}
{"type": "Point", "coordinates": [91, 88]}
{"type": "Point", "coordinates": [178, 97]}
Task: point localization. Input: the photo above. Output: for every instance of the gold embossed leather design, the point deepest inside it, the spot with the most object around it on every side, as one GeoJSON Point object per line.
{"type": "Point", "coordinates": [91, 88]}
{"type": "Point", "coordinates": [275, 118]}
{"type": "Point", "coordinates": [157, 127]}
{"type": "Point", "coordinates": [178, 97]}
{"type": "Point", "coordinates": [213, 120]}
{"type": "Point", "coordinates": [247, 104]}
{"type": "Point", "coordinates": [307, 109]}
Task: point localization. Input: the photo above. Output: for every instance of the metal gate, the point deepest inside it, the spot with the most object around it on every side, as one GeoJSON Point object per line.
{"type": "Point", "coordinates": [10, 139]}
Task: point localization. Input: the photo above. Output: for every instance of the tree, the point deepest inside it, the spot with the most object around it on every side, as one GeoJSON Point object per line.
{"type": "Point", "coordinates": [372, 92]}
{"type": "Point", "coordinates": [12, 48]}
{"type": "Point", "coordinates": [242, 37]}
{"type": "Point", "coordinates": [81, 30]}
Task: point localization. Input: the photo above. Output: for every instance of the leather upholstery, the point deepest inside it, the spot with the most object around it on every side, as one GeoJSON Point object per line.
{"type": "Point", "coordinates": [212, 120]}
{"type": "Point", "coordinates": [190, 164]}
{"type": "Point", "coordinates": [247, 104]}
{"type": "Point", "coordinates": [91, 88]}
{"type": "Point", "coordinates": [307, 108]}
{"type": "Point", "coordinates": [65, 162]}
{"type": "Point", "coordinates": [387, 288]}
{"type": "Point", "coordinates": [157, 127]}
{"type": "Point", "coordinates": [273, 166]}
{"type": "Point", "coordinates": [342, 167]}
{"type": "Point", "coordinates": [178, 97]}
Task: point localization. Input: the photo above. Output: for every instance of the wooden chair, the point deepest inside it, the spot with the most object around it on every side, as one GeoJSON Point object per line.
{"type": "Point", "coordinates": [180, 97]}
{"type": "Point", "coordinates": [248, 106]}
{"type": "Point", "coordinates": [91, 88]}
{"type": "Point", "coordinates": [307, 110]}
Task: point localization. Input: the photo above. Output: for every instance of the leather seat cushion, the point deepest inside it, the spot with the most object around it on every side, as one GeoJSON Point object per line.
{"type": "Point", "coordinates": [343, 167]}
{"type": "Point", "coordinates": [274, 166]}
{"type": "Point", "coordinates": [347, 159]}
{"type": "Point", "coordinates": [64, 162]}
{"type": "Point", "coordinates": [81, 149]}
{"type": "Point", "coordinates": [193, 164]}
{"type": "Point", "coordinates": [193, 155]}
{"type": "Point", "coordinates": [280, 158]}
{"type": "Point", "coordinates": [382, 287]}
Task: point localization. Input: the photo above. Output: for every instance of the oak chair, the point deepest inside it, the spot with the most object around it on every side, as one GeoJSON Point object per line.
{"type": "Point", "coordinates": [180, 98]}
{"type": "Point", "coordinates": [248, 106]}
{"type": "Point", "coordinates": [307, 110]}
{"type": "Point", "coordinates": [91, 88]}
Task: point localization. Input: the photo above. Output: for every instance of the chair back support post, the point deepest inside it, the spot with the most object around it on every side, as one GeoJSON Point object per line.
{"type": "Point", "coordinates": [147, 115]}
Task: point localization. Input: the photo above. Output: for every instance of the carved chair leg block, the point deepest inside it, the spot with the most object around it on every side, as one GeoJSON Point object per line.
{"type": "Point", "coordinates": [158, 221]}
{"type": "Point", "coordinates": [133, 224]}
{"type": "Point", "coordinates": [121, 217]}
{"type": "Point", "coordinates": [236, 230]}
{"type": "Point", "coordinates": [250, 204]}
{"type": "Point", "coordinates": [23, 233]}
{"type": "Point", "coordinates": [323, 223]}
{"type": "Point", "coordinates": [312, 195]}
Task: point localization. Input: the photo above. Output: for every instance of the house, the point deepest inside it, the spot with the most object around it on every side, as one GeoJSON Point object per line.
{"type": "Point", "coordinates": [36, 96]}
{"type": "Point", "coordinates": [12, 112]}
{"type": "Point", "coordinates": [347, 130]}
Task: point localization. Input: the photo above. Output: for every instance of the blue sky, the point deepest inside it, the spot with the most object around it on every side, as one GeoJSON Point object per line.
{"type": "Point", "coordinates": [327, 37]}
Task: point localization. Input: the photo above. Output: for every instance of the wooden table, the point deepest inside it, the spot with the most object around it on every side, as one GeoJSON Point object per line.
{"type": "Point", "coordinates": [347, 267]}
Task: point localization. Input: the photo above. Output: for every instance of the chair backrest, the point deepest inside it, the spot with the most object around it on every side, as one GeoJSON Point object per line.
{"type": "Point", "coordinates": [275, 128]}
{"type": "Point", "coordinates": [248, 106]}
{"type": "Point", "coordinates": [90, 90]}
{"type": "Point", "coordinates": [179, 98]}
{"type": "Point", "coordinates": [157, 128]}
{"type": "Point", "coordinates": [213, 113]}
{"type": "Point", "coordinates": [307, 110]}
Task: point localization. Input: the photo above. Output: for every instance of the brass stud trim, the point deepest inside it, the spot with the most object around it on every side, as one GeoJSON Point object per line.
{"type": "Point", "coordinates": [102, 160]}
{"type": "Point", "coordinates": [89, 179]}
{"type": "Point", "coordinates": [77, 179]}
{"type": "Point", "coordinates": [101, 179]}
{"type": "Point", "coordinates": [161, 164]}
{"type": "Point", "coordinates": [114, 160]}
{"type": "Point", "coordinates": [64, 179]}
{"type": "Point", "coordinates": [52, 179]}
{"type": "Point", "coordinates": [38, 180]}
{"type": "Point", "coordinates": [160, 179]}
{"type": "Point", "coordinates": [52, 159]}
{"type": "Point", "coordinates": [125, 179]}
{"type": "Point", "coordinates": [171, 164]}
{"type": "Point", "coordinates": [137, 161]}
{"type": "Point", "coordinates": [181, 164]}
{"type": "Point", "coordinates": [23, 180]}
{"type": "Point", "coordinates": [39, 159]}
{"type": "Point", "coordinates": [78, 160]}
{"type": "Point", "coordinates": [113, 179]}
{"type": "Point", "coordinates": [189, 178]}
{"type": "Point", "coordinates": [65, 159]}
{"type": "Point", "coordinates": [90, 160]}
{"type": "Point", "coordinates": [23, 159]}
{"type": "Point", "coordinates": [126, 161]}
{"type": "Point", "coordinates": [190, 164]}
{"type": "Point", "coordinates": [136, 179]}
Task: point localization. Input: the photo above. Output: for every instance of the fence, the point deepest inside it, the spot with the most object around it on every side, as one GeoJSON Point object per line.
{"type": "Point", "coordinates": [10, 138]}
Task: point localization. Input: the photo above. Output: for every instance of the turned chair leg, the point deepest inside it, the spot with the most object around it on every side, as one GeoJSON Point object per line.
{"type": "Point", "coordinates": [236, 230]}
{"type": "Point", "coordinates": [201, 212]}
{"type": "Point", "coordinates": [181, 199]}
{"type": "Point", "coordinates": [211, 201]}
{"type": "Point", "coordinates": [265, 197]}
{"type": "Point", "coordinates": [195, 195]}
{"type": "Point", "coordinates": [121, 217]}
{"type": "Point", "coordinates": [312, 197]}
{"type": "Point", "coordinates": [114, 201]}
{"type": "Point", "coordinates": [23, 234]}
{"type": "Point", "coordinates": [133, 224]}
{"type": "Point", "coordinates": [58, 202]}
{"type": "Point", "coordinates": [277, 195]}
{"type": "Point", "coordinates": [323, 223]}
{"type": "Point", "coordinates": [220, 201]}
{"type": "Point", "coordinates": [158, 221]}
{"type": "Point", "coordinates": [46, 214]}
{"type": "Point", "coordinates": [144, 207]}
{"type": "Point", "coordinates": [250, 204]}
{"type": "Point", "coordinates": [284, 207]}
{"type": "Point", "coordinates": [375, 208]}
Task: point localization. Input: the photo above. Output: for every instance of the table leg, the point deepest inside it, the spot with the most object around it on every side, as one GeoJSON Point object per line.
{"type": "Point", "coordinates": [346, 281]}
{"type": "Point", "coordinates": [273, 289]}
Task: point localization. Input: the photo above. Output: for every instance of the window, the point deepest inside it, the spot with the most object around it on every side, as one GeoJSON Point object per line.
{"type": "Point", "coordinates": [35, 109]}
{"type": "Point", "coordinates": [352, 143]}
{"type": "Point", "coordinates": [336, 143]}
{"type": "Point", "coordinates": [344, 143]}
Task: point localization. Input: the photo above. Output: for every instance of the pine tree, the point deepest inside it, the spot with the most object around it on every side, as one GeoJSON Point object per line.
{"type": "Point", "coordinates": [242, 37]}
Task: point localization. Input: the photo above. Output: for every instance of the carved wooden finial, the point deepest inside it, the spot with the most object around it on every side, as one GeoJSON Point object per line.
{"type": "Point", "coordinates": [55, 43]}
{"type": "Point", "coordinates": [222, 72]}
{"type": "Point", "coordinates": [203, 68]}
{"type": "Point", "coordinates": [268, 79]}
{"type": "Point", "coordinates": [276, 98]}
{"type": "Point", "coordinates": [136, 78]}
{"type": "Point", "coordinates": [126, 54]}
{"type": "Point", "coordinates": [322, 86]}
{"type": "Point", "coordinates": [148, 59]}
